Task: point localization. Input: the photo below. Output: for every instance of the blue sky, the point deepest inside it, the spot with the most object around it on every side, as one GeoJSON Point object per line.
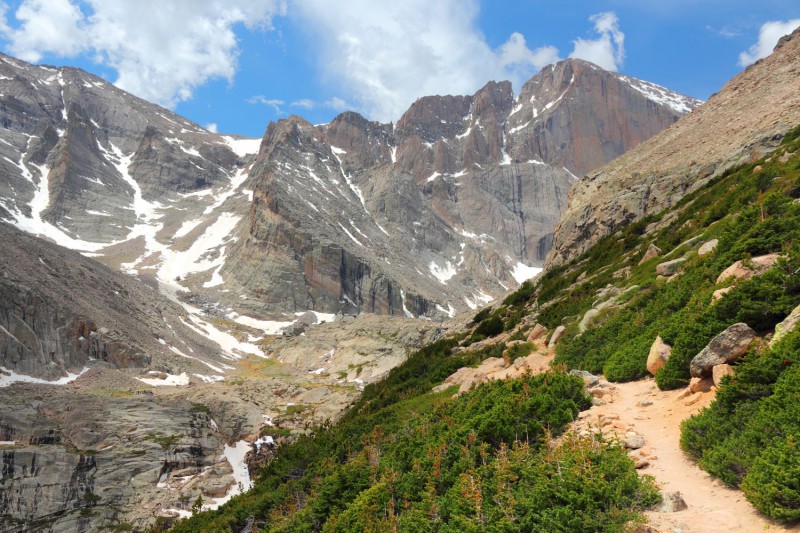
{"type": "Point", "coordinates": [238, 64]}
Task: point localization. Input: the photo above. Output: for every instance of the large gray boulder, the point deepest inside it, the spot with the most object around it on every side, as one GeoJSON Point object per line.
{"type": "Point", "coordinates": [727, 347]}
{"type": "Point", "coordinates": [670, 267]}
{"type": "Point", "coordinates": [556, 336]}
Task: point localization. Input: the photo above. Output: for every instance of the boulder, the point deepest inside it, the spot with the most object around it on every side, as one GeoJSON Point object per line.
{"type": "Point", "coordinates": [788, 324]}
{"type": "Point", "coordinates": [672, 502]}
{"type": "Point", "coordinates": [670, 267]}
{"type": "Point", "coordinates": [634, 443]}
{"type": "Point", "coordinates": [708, 247]}
{"type": "Point", "coordinates": [719, 371]}
{"type": "Point", "coordinates": [651, 252]}
{"type": "Point", "coordinates": [659, 353]}
{"type": "Point", "coordinates": [719, 293]}
{"type": "Point", "coordinates": [689, 242]}
{"type": "Point", "coordinates": [701, 384]}
{"type": "Point", "coordinates": [537, 332]}
{"type": "Point", "coordinates": [755, 266]}
{"type": "Point", "coordinates": [589, 379]}
{"type": "Point", "coordinates": [588, 318]}
{"type": "Point", "coordinates": [556, 336]}
{"type": "Point", "coordinates": [727, 347]}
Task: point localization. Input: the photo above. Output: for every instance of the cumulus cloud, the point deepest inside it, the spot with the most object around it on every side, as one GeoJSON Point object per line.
{"type": "Point", "coordinates": [160, 50]}
{"type": "Point", "coordinates": [768, 37]}
{"type": "Point", "coordinates": [384, 54]}
{"type": "Point", "coordinates": [378, 55]}
{"type": "Point", "coordinates": [608, 49]}
{"type": "Point", "coordinates": [212, 127]}
{"type": "Point", "coordinates": [337, 104]}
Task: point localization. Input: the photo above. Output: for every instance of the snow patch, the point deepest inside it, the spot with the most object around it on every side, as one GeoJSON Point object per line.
{"type": "Point", "coordinates": [443, 274]}
{"type": "Point", "coordinates": [661, 95]}
{"type": "Point", "coordinates": [522, 272]}
{"type": "Point", "coordinates": [242, 146]}
{"type": "Point", "coordinates": [7, 377]}
{"type": "Point", "coordinates": [406, 312]}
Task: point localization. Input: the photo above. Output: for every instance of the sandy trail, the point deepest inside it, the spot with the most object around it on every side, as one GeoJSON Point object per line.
{"type": "Point", "coordinates": [712, 506]}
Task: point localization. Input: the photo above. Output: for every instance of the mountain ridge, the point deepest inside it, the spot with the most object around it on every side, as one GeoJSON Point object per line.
{"type": "Point", "coordinates": [457, 181]}
{"type": "Point", "coordinates": [754, 109]}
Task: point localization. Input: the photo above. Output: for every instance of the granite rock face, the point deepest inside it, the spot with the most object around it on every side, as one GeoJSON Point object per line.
{"type": "Point", "coordinates": [84, 147]}
{"type": "Point", "coordinates": [61, 312]}
{"type": "Point", "coordinates": [440, 209]}
{"type": "Point", "coordinates": [745, 120]}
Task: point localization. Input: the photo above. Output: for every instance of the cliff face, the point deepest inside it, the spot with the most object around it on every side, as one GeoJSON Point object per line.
{"type": "Point", "coordinates": [747, 118]}
{"type": "Point", "coordinates": [447, 207]}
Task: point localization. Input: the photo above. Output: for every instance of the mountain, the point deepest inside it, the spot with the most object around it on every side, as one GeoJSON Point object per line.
{"type": "Point", "coordinates": [149, 267]}
{"type": "Point", "coordinates": [747, 118]}
{"type": "Point", "coordinates": [116, 401]}
{"type": "Point", "coordinates": [450, 206]}
{"type": "Point", "coordinates": [446, 209]}
{"type": "Point", "coordinates": [666, 345]}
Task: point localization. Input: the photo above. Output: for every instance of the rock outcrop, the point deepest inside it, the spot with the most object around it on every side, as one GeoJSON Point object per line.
{"type": "Point", "coordinates": [727, 347]}
{"type": "Point", "coordinates": [708, 247]}
{"type": "Point", "coordinates": [658, 355]}
{"type": "Point", "coordinates": [786, 325]}
{"type": "Point", "coordinates": [651, 252]}
{"type": "Point", "coordinates": [747, 269]}
{"type": "Point", "coordinates": [670, 268]}
{"type": "Point", "coordinates": [746, 119]}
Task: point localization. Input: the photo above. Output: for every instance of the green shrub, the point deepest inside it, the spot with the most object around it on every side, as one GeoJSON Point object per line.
{"type": "Point", "coordinates": [773, 483]}
{"type": "Point", "coordinates": [629, 362]}
{"type": "Point", "coordinates": [490, 327]}
{"type": "Point", "coordinates": [482, 315]}
{"type": "Point", "coordinates": [519, 350]}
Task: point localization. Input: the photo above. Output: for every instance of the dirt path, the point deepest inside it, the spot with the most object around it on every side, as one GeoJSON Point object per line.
{"type": "Point", "coordinates": [712, 506]}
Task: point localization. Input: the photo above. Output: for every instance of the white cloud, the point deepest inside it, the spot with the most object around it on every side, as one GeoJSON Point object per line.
{"type": "Point", "coordinates": [160, 50]}
{"type": "Point", "coordinates": [212, 127]}
{"type": "Point", "coordinates": [608, 49]}
{"type": "Point", "coordinates": [274, 103]}
{"type": "Point", "coordinates": [379, 55]}
{"type": "Point", "coordinates": [46, 25]}
{"type": "Point", "coordinates": [337, 104]}
{"type": "Point", "coordinates": [768, 37]}
{"type": "Point", "coordinates": [305, 103]}
{"type": "Point", "coordinates": [385, 54]}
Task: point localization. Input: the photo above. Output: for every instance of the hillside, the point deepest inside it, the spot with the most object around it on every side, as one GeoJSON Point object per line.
{"type": "Point", "coordinates": [407, 457]}
{"type": "Point", "coordinates": [744, 120]}
{"type": "Point", "coordinates": [691, 305]}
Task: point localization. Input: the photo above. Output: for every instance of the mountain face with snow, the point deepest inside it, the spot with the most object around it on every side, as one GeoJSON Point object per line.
{"type": "Point", "coordinates": [448, 208]}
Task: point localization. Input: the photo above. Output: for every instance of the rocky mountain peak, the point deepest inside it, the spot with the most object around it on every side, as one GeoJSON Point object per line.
{"type": "Point", "coordinates": [364, 143]}
{"type": "Point", "coordinates": [434, 117]}
{"type": "Point", "coordinates": [445, 209]}
{"type": "Point", "coordinates": [744, 120]}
